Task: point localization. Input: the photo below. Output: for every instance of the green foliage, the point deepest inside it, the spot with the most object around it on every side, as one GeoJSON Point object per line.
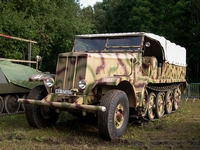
{"type": "Point", "coordinates": [52, 24]}
{"type": "Point", "coordinates": [141, 17]}
{"type": "Point", "coordinates": [100, 17]}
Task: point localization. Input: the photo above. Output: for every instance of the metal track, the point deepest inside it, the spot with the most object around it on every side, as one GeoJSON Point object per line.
{"type": "Point", "coordinates": [163, 88]}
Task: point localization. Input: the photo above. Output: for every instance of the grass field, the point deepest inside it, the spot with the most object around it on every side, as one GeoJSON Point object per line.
{"type": "Point", "coordinates": [179, 130]}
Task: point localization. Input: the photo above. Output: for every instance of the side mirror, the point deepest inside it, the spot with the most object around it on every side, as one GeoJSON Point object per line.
{"type": "Point", "coordinates": [38, 59]}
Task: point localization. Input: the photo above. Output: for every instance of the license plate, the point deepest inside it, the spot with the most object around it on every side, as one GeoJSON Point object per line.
{"type": "Point", "coordinates": [61, 91]}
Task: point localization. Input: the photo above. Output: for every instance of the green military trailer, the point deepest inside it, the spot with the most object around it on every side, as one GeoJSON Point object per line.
{"type": "Point", "coordinates": [114, 76]}
{"type": "Point", "coordinates": [14, 83]}
{"type": "Point", "coordinates": [14, 79]}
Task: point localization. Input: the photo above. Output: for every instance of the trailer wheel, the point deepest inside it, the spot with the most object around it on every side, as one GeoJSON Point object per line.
{"type": "Point", "coordinates": [40, 116]}
{"type": "Point", "coordinates": [160, 105]}
{"type": "Point", "coordinates": [151, 106]}
{"type": "Point", "coordinates": [177, 96]}
{"type": "Point", "coordinates": [10, 104]}
{"type": "Point", "coordinates": [1, 105]}
{"type": "Point", "coordinates": [168, 102]}
{"type": "Point", "coordinates": [113, 122]}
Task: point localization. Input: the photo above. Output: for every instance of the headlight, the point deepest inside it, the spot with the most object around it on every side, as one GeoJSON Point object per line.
{"type": "Point", "coordinates": [49, 82]}
{"type": "Point", "coordinates": [82, 84]}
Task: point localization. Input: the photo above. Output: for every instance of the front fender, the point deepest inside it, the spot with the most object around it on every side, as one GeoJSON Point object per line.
{"type": "Point", "coordinates": [115, 80]}
{"type": "Point", "coordinates": [41, 77]}
{"type": "Point", "coordinates": [110, 81]}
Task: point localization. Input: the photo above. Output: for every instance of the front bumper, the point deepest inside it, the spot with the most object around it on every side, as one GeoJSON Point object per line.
{"type": "Point", "coordinates": [61, 105]}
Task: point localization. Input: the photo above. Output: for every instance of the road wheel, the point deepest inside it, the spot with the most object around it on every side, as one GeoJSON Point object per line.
{"type": "Point", "coordinates": [168, 102]}
{"type": "Point", "coordinates": [177, 96]}
{"type": "Point", "coordinates": [10, 104]}
{"type": "Point", "coordinates": [160, 105]}
{"type": "Point", "coordinates": [145, 105]}
{"type": "Point", "coordinates": [40, 116]}
{"type": "Point", "coordinates": [113, 122]}
{"type": "Point", "coordinates": [1, 105]}
{"type": "Point", "coordinates": [151, 106]}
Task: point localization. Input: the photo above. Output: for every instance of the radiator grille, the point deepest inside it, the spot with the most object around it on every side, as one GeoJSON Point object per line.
{"type": "Point", "coordinates": [70, 70]}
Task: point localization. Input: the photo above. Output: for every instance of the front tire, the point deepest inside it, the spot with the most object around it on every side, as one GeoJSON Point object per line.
{"type": "Point", "coordinates": [112, 123]}
{"type": "Point", "coordinates": [39, 116]}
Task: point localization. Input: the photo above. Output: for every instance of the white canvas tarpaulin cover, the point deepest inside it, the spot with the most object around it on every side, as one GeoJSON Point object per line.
{"type": "Point", "coordinates": [174, 54]}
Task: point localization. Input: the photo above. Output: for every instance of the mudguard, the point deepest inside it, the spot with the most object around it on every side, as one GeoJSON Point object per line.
{"type": "Point", "coordinates": [41, 77]}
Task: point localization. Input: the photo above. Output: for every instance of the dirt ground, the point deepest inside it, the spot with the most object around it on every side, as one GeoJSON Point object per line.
{"type": "Point", "coordinates": [179, 130]}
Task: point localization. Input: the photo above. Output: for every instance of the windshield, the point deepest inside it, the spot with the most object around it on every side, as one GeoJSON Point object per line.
{"type": "Point", "coordinates": [110, 43]}
{"type": "Point", "coordinates": [89, 44]}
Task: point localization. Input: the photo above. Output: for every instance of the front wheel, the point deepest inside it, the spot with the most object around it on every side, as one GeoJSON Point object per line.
{"type": "Point", "coordinates": [112, 123]}
{"type": "Point", "coordinates": [37, 115]}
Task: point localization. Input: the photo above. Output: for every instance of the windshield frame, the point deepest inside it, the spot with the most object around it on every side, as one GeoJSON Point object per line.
{"type": "Point", "coordinates": [112, 44]}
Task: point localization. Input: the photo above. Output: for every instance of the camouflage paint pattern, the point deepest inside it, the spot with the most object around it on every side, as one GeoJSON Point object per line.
{"type": "Point", "coordinates": [102, 72]}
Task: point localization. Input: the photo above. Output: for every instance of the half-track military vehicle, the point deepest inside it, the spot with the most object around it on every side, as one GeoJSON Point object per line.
{"type": "Point", "coordinates": [14, 79]}
{"type": "Point", "coordinates": [14, 83]}
{"type": "Point", "coordinates": [115, 76]}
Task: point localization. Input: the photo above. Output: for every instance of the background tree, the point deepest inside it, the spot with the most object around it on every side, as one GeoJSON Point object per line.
{"type": "Point", "coordinates": [177, 20]}
{"type": "Point", "coordinates": [100, 17]}
{"type": "Point", "coordinates": [51, 23]}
